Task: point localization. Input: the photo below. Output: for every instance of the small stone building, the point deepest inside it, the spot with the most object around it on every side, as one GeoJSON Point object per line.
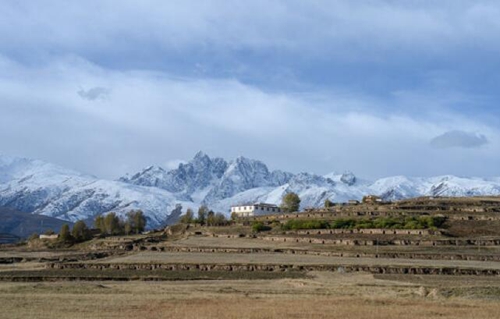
{"type": "Point", "coordinates": [372, 199]}
{"type": "Point", "coordinates": [50, 237]}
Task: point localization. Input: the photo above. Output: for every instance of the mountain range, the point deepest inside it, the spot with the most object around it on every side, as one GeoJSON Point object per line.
{"type": "Point", "coordinates": [38, 187]}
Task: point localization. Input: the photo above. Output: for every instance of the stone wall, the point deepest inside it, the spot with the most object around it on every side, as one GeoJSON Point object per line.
{"type": "Point", "coordinates": [370, 231]}
{"type": "Point", "coordinates": [278, 267]}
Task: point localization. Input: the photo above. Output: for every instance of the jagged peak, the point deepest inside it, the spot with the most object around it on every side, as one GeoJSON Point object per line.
{"type": "Point", "coordinates": [200, 155]}
{"type": "Point", "coordinates": [153, 168]}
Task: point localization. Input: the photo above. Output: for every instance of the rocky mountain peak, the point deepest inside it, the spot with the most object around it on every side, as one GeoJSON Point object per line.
{"type": "Point", "coordinates": [348, 178]}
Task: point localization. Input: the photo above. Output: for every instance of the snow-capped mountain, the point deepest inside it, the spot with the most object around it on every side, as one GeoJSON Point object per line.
{"type": "Point", "coordinates": [38, 187]}
{"type": "Point", "coordinates": [245, 181]}
{"type": "Point", "coordinates": [41, 188]}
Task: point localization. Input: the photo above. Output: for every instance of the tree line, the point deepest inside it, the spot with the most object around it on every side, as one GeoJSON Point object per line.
{"type": "Point", "coordinates": [205, 217]}
{"type": "Point", "coordinates": [108, 225]}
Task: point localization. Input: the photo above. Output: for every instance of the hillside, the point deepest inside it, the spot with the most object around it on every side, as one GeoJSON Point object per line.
{"type": "Point", "coordinates": [19, 224]}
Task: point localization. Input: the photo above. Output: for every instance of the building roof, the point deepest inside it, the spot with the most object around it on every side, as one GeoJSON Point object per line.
{"type": "Point", "coordinates": [256, 204]}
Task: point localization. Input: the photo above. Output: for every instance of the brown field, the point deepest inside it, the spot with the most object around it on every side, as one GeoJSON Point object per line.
{"type": "Point", "coordinates": [323, 295]}
{"type": "Point", "coordinates": [260, 258]}
{"type": "Point", "coordinates": [213, 272]}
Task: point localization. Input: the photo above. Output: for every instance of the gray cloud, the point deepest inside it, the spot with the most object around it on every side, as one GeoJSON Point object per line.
{"type": "Point", "coordinates": [459, 138]}
{"type": "Point", "coordinates": [95, 93]}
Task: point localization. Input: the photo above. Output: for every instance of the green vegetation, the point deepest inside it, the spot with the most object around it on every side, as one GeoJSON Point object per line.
{"type": "Point", "coordinates": [423, 222]}
{"type": "Point", "coordinates": [188, 218]}
{"type": "Point", "coordinates": [290, 203]}
{"type": "Point", "coordinates": [259, 226]}
{"type": "Point", "coordinates": [81, 232]}
{"type": "Point", "coordinates": [112, 225]}
{"type": "Point", "coordinates": [202, 215]}
{"type": "Point", "coordinates": [65, 234]}
{"type": "Point", "coordinates": [205, 217]}
{"type": "Point", "coordinates": [136, 222]}
{"type": "Point", "coordinates": [295, 224]}
{"type": "Point", "coordinates": [328, 203]}
{"type": "Point", "coordinates": [216, 219]}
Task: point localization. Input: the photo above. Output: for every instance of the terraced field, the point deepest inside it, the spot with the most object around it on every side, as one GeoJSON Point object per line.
{"type": "Point", "coordinates": [197, 271]}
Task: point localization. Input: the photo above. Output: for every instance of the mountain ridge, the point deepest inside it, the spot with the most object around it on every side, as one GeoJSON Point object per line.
{"type": "Point", "coordinates": [38, 187]}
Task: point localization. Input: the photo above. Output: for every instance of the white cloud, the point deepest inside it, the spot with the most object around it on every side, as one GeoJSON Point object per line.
{"type": "Point", "coordinates": [174, 163]}
{"type": "Point", "coordinates": [152, 117]}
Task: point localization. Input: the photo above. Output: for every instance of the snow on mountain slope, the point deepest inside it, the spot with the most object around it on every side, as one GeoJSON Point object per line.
{"type": "Point", "coordinates": [247, 181]}
{"type": "Point", "coordinates": [185, 181]}
{"type": "Point", "coordinates": [206, 180]}
{"type": "Point", "coordinates": [41, 188]}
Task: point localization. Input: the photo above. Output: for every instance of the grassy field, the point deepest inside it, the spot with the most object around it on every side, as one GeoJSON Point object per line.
{"type": "Point", "coordinates": [322, 295]}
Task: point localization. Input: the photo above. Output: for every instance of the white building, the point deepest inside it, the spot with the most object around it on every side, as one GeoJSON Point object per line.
{"type": "Point", "coordinates": [255, 209]}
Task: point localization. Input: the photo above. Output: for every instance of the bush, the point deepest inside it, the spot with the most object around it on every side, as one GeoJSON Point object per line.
{"type": "Point", "coordinates": [259, 226]}
{"type": "Point", "coordinates": [422, 222]}
{"type": "Point", "coordinates": [295, 224]}
{"type": "Point", "coordinates": [343, 223]}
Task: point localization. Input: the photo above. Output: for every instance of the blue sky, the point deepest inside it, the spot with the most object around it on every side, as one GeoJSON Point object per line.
{"type": "Point", "coordinates": [376, 87]}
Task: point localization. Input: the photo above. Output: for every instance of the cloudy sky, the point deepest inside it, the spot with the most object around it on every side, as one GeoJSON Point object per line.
{"type": "Point", "coordinates": [375, 87]}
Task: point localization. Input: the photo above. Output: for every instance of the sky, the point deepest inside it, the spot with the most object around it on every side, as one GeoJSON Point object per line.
{"type": "Point", "coordinates": [379, 88]}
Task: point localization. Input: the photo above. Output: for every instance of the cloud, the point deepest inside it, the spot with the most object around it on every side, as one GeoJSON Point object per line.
{"type": "Point", "coordinates": [459, 139]}
{"type": "Point", "coordinates": [95, 93]}
{"type": "Point", "coordinates": [174, 163]}
{"type": "Point", "coordinates": [154, 117]}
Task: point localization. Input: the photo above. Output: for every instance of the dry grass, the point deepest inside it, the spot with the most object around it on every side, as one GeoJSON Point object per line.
{"type": "Point", "coordinates": [327, 295]}
{"type": "Point", "coordinates": [265, 258]}
{"type": "Point", "coordinates": [199, 241]}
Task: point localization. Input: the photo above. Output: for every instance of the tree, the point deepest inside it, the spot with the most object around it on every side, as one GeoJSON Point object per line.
{"type": "Point", "coordinates": [202, 214]}
{"type": "Point", "coordinates": [99, 224]}
{"type": "Point", "coordinates": [210, 218]}
{"type": "Point", "coordinates": [80, 231]}
{"type": "Point", "coordinates": [136, 222]}
{"type": "Point", "coordinates": [220, 219]}
{"type": "Point", "coordinates": [328, 203]}
{"type": "Point", "coordinates": [64, 234]}
{"type": "Point", "coordinates": [188, 217]}
{"type": "Point", "coordinates": [112, 224]}
{"type": "Point", "coordinates": [290, 203]}
{"type": "Point", "coordinates": [234, 216]}
{"type": "Point", "coordinates": [127, 228]}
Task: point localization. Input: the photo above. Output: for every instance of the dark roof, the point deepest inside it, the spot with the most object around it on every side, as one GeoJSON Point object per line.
{"type": "Point", "coordinates": [256, 204]}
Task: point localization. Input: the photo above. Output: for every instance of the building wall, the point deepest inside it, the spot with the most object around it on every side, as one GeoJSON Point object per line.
{"type": "Point", "coordinates": [254, 210]}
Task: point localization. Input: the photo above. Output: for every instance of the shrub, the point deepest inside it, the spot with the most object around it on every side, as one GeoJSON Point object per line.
{"type": "Point", "coordinates": [259, 226]}
{"type": "Point", "coordinates": [343, 223]}
{"type": "Point", "coordinates": [295, 224]}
